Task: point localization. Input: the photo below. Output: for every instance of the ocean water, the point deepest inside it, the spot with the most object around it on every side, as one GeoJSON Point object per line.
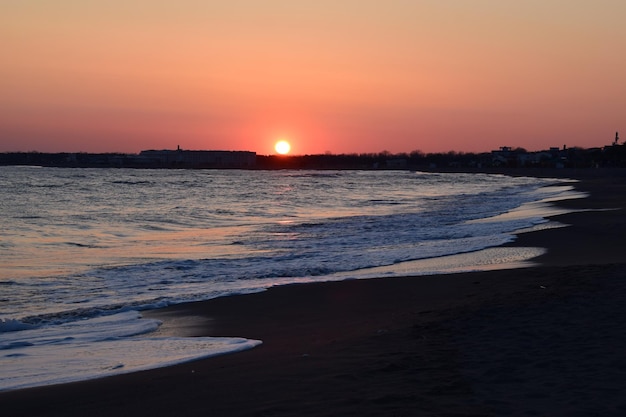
{"type": "Point", "coordinates": [84, 251]}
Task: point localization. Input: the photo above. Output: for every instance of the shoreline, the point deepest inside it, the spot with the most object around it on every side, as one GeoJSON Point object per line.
{"type": "Point", "coordinates": [397, 345]}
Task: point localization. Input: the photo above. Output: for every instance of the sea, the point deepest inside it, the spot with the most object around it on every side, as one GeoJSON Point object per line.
{"type": "Point", "coordinates": [83, 252]}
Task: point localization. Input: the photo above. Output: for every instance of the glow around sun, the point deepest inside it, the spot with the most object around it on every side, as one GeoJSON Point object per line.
{"type": "Point", "coordinates": [282, 147]}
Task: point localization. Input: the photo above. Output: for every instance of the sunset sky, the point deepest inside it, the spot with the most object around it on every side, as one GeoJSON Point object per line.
{"type": "Point", "coordinates": [338, 76]}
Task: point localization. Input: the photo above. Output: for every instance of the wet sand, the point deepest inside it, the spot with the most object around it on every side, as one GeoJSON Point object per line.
{"type": "Point", "coordinates": [546, 340]}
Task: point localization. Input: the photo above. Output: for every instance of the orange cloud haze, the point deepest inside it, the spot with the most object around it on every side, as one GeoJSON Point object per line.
{"type": "Point", "coordinates": [332, 76]}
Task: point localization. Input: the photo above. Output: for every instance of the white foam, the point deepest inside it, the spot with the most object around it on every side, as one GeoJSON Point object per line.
{"type": "Point", "coordinates": [541, 209]}
{"type": "Point", "coordinates": [97, 348]}
{"type": "Point", "coordinates": [482, 260]}
{"type": "Point", "coordinates": [535, 210]}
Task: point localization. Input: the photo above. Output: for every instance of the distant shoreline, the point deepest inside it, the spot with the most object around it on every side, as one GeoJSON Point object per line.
{"type": "Point", "coordinates": [498, 161]}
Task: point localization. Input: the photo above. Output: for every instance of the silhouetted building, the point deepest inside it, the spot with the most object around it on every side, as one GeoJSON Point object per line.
{"type": "Point", "coordinates": [198, 159]}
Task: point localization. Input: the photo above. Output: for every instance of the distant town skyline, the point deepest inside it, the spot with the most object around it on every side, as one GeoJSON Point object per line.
{"type": "Point", "coordinates": [348, 76]}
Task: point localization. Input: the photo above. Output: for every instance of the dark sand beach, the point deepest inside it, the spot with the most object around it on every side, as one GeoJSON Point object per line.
{"type": "Point", "coordinates": [548, 340]}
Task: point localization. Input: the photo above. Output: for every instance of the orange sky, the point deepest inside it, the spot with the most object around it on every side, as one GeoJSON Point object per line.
{"type": "Point", "coordinates": [337, 76]}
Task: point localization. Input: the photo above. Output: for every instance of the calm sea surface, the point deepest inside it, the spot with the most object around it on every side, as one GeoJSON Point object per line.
{"type": "Point", "coordinates": [83, 251]}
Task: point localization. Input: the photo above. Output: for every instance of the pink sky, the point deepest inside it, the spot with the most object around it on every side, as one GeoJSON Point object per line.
{"type": "Point", "coordinates": [338, 76]}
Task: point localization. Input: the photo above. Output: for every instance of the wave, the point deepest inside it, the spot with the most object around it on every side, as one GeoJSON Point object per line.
{"type": "Point", "coordinates": [13, 325]}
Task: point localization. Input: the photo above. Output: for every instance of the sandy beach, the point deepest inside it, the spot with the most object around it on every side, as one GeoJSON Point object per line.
{"type": "Point", "coordinates": [540, 341]}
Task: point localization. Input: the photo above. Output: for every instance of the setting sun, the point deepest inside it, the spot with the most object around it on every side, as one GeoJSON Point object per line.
{"type": "Point", "coordinates": [282, 147]}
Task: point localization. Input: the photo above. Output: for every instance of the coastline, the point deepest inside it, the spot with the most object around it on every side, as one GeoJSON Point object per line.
{"type": "Point", "coordinates": [399, 346]}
